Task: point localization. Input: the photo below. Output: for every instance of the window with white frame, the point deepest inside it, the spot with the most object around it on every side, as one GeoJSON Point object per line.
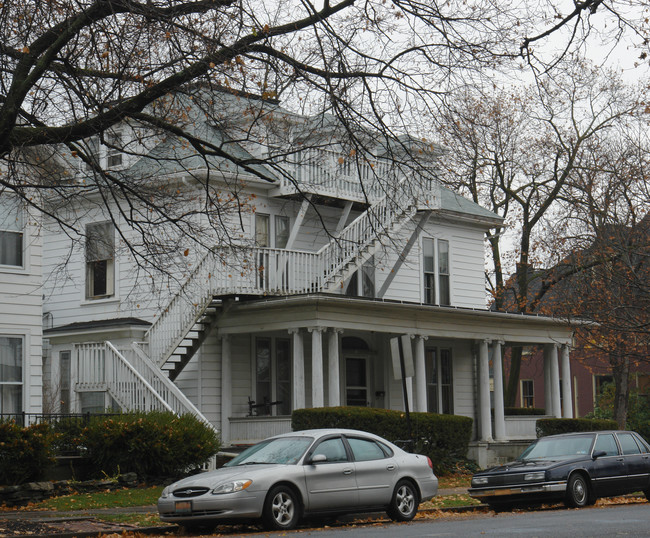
{"type": "Point", "coordinates": [100, 260]}
{"type": "Point", "coordinates": [11, 374]}
{"type": "Point", "coordinates": [527, 392]}
{"type": "Point", "coordinates": [114, 146]}
{"type": "Point", "coordinates": [273, 376]}
{"type": "Point", "coordinates": [11, 231]}
{"type": "Point", "coordinates": [437, 288]}
{"type": "Point", "coordinates": [281, 231]}
{"type": "Point", "coordinates": [362, 281]}
{"type": "Point", "coordinates": [439, 380]}
{"type": "Point", "coordinates": [65, 380]}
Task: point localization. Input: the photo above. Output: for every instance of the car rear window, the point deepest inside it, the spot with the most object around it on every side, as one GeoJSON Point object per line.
{"type": "Point", "coordinates": [628, 444]}
{"type": "Point", "coordinates": [365, 449]}
{"type": "Point", "coordinates": [607, 443]}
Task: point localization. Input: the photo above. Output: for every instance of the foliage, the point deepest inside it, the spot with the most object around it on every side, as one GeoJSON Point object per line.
{"type": "Point", "coordinates": [25, 452]}
{"type": "Point", "coordinates": [638, 414]}
{"type": "Point", "coordinates": [444, 438]}
{"type": "Point", "coordinates": [67, 436]}
{"type": "Point", "coordinates": [524, 411]}
{"type": "Point", "coordinates": [153, 444]}
{"type": "Point", "coordinates": [553, 426]}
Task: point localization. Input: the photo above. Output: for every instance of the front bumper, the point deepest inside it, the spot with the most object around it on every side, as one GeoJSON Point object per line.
{"type": "Point", "coordinates": [519, 490]}
{"type": "Point", "coordinates": [207, 507]}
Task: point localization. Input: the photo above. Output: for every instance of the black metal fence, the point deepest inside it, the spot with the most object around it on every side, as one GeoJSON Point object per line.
{"type": "Point", "coordinates": [27, 419]}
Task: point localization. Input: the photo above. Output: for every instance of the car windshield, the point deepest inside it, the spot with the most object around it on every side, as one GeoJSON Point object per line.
{"type": "Point", "coordinates": [558, 448]}
{"type": "Point", "coordinates": [283, 450]}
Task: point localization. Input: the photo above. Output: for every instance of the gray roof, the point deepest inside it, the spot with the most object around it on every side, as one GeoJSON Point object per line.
{"type": "Point", "coordinates": [454, 203]}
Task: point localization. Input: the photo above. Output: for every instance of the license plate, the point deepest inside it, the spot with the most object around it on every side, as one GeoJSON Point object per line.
{"type": "Point", "coordinates": [183, 507]}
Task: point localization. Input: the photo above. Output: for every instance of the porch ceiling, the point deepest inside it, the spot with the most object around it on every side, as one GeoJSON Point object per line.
{"type": "Point", "coordinates": [354, 313]}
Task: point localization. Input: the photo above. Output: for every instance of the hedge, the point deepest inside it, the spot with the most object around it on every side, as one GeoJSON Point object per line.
{"type": "Point", "coordinates": [508, 411]}
{"type": "Point", "coordinates": [444, 438]}
{"type": "Point", "coordinates": [154, 444]}
{"type": "Point", "coordinates": [552, 426]}
{"type": "Point", "coordinates": [25, 452]}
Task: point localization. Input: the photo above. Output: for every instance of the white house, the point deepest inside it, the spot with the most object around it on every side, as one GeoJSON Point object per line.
{"type": "Point", "coordinates": [331, 260]}
{"type": "Point", "coordinates": [21, 388]}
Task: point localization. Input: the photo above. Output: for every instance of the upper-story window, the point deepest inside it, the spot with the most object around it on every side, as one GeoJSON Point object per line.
{"type": "Point", "coordinates": [262, 232]}
{"type": "Point", "coordinates": [281, 231]}
{"type": "Point", "coordinates": [437, 289]}
{"type": "Point", "coordinates": [108, 155]}
{"type": "Point", "coordinates": [11, 231]}
{"type": "Point", "coordinates": [11, 374]}
{"type": "Point", "coordinates": [275, 237]}
{"type": "Point", "coordinates": [100, 260]}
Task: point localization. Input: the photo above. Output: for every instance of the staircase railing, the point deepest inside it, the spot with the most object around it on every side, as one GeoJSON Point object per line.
{"type": "Point", "coordinates": [268, 271]}
{"type": "Point", "coordinates": [101, 366]}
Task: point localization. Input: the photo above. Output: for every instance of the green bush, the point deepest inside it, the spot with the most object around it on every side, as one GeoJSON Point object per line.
{"type": "Point", "coordinates": [444, 438]}
{"type": "Point", "coordinates": [552, 426]}
{"type": "Point", "coordinates": [524, 411]}
{"type": "Point", "coordinates": [154, 444]}
{"type": "Point", "coordinates": [67, 438]}
{"type": "Point", "coordinates": [25, 452]}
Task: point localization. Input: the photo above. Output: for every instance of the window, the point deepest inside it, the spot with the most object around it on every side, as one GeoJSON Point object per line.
{"type": "Point", "coordinates": [92, 402]}
{"type": "Point", "coordinates": [281, 231]}
{"type": "Point", "coordinates": [332, 449]}
{"type": "Point", "coordinates": [365, 449]}
{"type": "Point", "coordinates": [364, 286]}
{"type": "Point", "coordinates": [11, 374]}
{"type": "Point", "coordinates": [356, 381]}
{"type": "Point", "coordinates": [600, 383]}
{"type": "Point", "coordinates": [11, 231]}
{"type": "Point", "coordinates": [439, 380]}
{"type": "Point", "coordinates": [437, 287]}
{"type": "Point", "coordinates": [262, 225]}
{"type": "Point", "coordinates": [100, 260]}
{"type": "Point", "coordinates": [606, 443]}
{"type": "Point", "coordinates": [527, 391]}
{"type": "Point", "coordinates": [64, 380]}
{"type": "Point", "coordinates": [113, 150]}
{"type": "Point", "coordinates": [273, 376]}
{"type": "Point", "coordinates": [628, 444]}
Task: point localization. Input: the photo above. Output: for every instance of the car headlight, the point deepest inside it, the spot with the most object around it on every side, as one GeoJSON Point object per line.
{"type": "Point", "coordinates": [537, 475]}
{"type": "Point", "coordinates": [165, 493]}
{"type": "Point", "coordinates": [479, 481]}
{"type": "Point", "coordinates": [231, 487]}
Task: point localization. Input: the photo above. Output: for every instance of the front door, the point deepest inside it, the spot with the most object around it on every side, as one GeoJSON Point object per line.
{"type": "Point", "coordinates": [356, 381]}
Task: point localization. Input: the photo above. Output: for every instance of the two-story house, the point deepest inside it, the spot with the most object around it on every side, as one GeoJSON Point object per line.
{"type": "Point", "coordinates": [332, 262]}
{"type": "Point", "coordinates": [21, 310]}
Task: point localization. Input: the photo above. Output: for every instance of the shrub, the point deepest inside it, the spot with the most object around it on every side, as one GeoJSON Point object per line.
{"type": "Point", "coordinates": [444, 438]}
{"type": "Point", "coordinates": [25, 452]}
{"type": "Point", "coordinates": [552, 426]}
{"type": "Point", "coordinates": [154, 444]}
{"type": "Point", "coordinates": [524, 411]}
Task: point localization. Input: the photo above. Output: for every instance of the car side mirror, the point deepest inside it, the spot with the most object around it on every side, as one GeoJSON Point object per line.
{"type": "Point", "coordinates": [318, 458]}
{"type": "Point", "coordinates": [598, 454]}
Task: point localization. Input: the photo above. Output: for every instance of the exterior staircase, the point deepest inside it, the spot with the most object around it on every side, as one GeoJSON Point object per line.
{"type": "Point", "coordinates": [142, 377]}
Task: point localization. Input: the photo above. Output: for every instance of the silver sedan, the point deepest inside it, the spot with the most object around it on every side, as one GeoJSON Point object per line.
{"type": "Point", "coordinates": [287, 477]}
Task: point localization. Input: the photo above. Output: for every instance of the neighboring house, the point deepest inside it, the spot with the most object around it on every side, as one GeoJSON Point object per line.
{"type": "Point", "coordinates": [302, 313]}
{"type": "Point", "coordinates": [21, 309]}
{"type": "Point", "coordinates": [591, 366]}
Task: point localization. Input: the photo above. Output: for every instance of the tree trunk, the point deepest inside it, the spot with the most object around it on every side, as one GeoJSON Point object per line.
{"type": "Point", "coordinates": [513, 377]}
{"type": "Point", "coordinates": [621, 371]}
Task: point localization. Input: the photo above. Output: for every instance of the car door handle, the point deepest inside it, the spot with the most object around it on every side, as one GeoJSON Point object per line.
{"type": "Point", "coordinates": [390, 467]}
{"type": "Point", "coordinates": [347, 471]}
{"type": "Point", "coordinates": [620, 459]}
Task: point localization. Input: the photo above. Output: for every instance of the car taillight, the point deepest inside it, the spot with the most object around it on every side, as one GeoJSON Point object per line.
{"type": "Point", "coordinates": [430, 463]}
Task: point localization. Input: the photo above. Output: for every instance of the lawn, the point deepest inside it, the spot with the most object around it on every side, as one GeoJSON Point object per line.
{"type": "Point", "coordinates": [103, 499]}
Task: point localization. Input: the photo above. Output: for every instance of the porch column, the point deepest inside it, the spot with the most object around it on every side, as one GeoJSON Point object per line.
{"type": "Point", "coordinates": [550, 353]}
{"type": "Point", "coordinates": [548, 398]}
{"type": "Point", "coordinates": [317, 381]}
{"type": "Point", "coordinates": [334, 381]}
{"type": "Point", "coordinates": [484, 391]}
{"type": "Point", "coordinates": [567, 400]}
{"type": "Point", "coordinates": [298, 369]}
{"type": "Point", "coordinates": [226, 389]}
{"type": "Point", "coordinates": [420, 376]}
{"type": "Point", "coordinates": [497, 372]}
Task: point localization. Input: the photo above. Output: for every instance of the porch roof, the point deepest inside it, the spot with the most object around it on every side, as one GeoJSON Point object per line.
{"type": "Point", "coordinates": [394, 317]}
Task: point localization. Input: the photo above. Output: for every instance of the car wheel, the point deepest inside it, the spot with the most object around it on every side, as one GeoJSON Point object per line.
{"type": "Point", "coordinates": [577, 492]}
{"type": "Point", "coordinates": [281, 509]}
{"type": "Point", "coordinates": [404, 504]}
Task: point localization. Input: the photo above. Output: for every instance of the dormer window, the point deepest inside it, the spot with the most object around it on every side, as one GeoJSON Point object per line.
{"type": "Point", "coordinates": [11, 232]}
{"type": "Point", "coordinates": [113, 150]}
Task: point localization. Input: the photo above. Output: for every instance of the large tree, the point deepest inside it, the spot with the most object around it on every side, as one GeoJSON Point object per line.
{"type": "Point", "coordinates": [71, 70]}
{"type": "Point", "coordinates": [519, 153]}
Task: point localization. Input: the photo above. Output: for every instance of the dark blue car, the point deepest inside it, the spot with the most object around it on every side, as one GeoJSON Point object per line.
{"type": "Point", "coordinates": [576, 468]}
